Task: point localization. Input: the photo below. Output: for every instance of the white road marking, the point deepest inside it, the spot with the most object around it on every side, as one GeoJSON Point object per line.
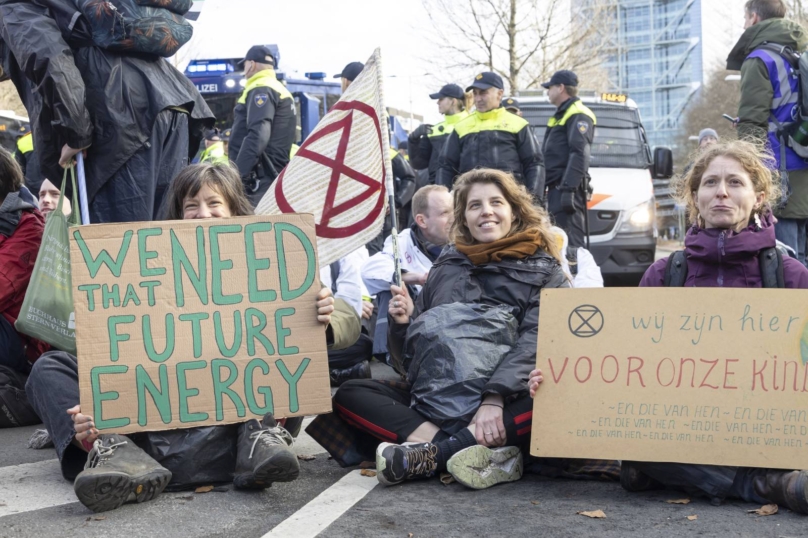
{"type": "Point", "coordinates": [326, 508]}
{"type": "Point", "coordinates": [33, 486]}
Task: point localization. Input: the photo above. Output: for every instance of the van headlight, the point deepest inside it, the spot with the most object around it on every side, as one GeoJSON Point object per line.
{"type": "Point", "coordinates": [639, 218]}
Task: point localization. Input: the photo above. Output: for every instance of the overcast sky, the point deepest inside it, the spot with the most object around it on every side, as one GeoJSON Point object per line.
{"type": "Point", "coordinates": [324, 35]}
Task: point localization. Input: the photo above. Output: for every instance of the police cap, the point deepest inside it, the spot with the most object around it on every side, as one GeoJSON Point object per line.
{"type": "Point", "coordinates": [213, 135]}
{"type": "Point", "coordinates": [565, 77]}
{"type": "Point", "coordinates": [351, 71]}
{"type": "Point", "coordinates": [260, 54]}
{"type": "Point", "coordinates": [24, 130]}
{"type": "Point", "coordinates": [486, 80]}
{"type": "Point", "coordinates": [510, 103]}
{"type": "Point", "coordinates": [450, 90]}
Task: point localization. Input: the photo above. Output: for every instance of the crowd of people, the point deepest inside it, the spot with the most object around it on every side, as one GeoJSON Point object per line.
{"type": "Point", "coordinates": [496, 219]}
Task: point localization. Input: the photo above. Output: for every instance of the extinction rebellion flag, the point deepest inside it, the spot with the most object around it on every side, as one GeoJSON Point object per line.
{"type": "Point", "coordinates": [341, 174]}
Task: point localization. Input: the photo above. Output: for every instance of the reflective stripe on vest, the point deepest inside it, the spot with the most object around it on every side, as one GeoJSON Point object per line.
{"type": "Point", "coordinates": [25, 144]}
{"type": "Point", "coordinates": [214, 154]}
{"type": "Point", "coordinates": [266, 79]}
{"type": "Point", "coordinates": [447, 126]}
{"type": "Point", "coordinates": [498, 119]}
{"type": "Point", "coordinates": [575, 108]}
{"type": "Point", "coordinates": [784, 107]}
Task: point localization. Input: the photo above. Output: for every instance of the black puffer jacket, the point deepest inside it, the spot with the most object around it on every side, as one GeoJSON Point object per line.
{"type": "Point", "coordinates": [512, 282]}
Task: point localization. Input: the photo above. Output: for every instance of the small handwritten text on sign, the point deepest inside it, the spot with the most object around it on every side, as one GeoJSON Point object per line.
{"type": "Point", "coordinates": [182, 324]}
{"type": "Point", "coordinates": [713, 376]}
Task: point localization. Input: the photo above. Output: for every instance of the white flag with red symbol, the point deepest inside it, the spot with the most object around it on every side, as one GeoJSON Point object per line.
{"type": "Point", "coordinates": [341, 174]}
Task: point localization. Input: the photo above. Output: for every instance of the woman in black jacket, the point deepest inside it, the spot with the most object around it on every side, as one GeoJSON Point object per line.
{"type": "Point", "coordinates": [504, 253]}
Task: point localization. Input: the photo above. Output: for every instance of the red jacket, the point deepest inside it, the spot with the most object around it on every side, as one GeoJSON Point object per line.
{"type": "Point", "coordinates": [18, 253]}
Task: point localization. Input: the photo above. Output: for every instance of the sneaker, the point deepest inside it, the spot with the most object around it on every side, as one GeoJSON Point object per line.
{"type": "Point", "coordinates": [264, 455]}
{"type": "Point", "coordinates": [480, 467]}
{"type": "Point", "coordinates": [397, 463]}
{"type": "Point", "coordinates": [357, 371]}
{"type": "Point", "coordinates": [118, 471]}
{"type": "Point", "coordinates": [632, 479]}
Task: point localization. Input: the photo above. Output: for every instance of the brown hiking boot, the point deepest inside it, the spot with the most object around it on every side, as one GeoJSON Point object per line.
{"type": "Point", "coordinates": [265, 455]}
{"type": "Point", "coordinates": [118, 471]}
{"type": "Point", "coordinates": [786, 488]}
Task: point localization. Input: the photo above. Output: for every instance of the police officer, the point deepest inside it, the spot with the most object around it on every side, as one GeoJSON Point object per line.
{"type": "Point", "coordinates": [24, 155]}
{"type": "Point", "coordinates": [512, 105]}
{"type": "Point", "coordinates": [492, 137]}
{"type": "Point", "coordinates": [349, 74]}
{"type": "Point", "coordinates": [566, 150]}
{"type": "Point", "coordinates": [214, 149]}
{"type": "Point", "coordinates": [426, 141]}
{"type": "Point", "coordinates": [263, 124]}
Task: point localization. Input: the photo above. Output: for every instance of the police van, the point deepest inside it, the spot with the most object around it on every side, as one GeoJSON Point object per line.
{"type": "Point", "coordinates": [621, 212]}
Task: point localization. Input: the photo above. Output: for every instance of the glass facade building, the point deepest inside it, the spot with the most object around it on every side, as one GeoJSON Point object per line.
{"type": "Point", "coordinates": [654, 55]}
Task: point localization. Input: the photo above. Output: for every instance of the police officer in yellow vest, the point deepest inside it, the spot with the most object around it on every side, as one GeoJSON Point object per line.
{"type": "Point", "coordinates": [214, 149]}
{"type": "Point", "coordinates": [263, 124]}
{"type": "Point", "coordinates": [566, 150]}
{"type": "Point", "coordinates": [492, 137]}
{"type": "Point", "coordinates": [426, 141]}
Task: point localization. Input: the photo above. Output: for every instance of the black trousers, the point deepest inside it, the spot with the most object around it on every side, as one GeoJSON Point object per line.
{"type": "Point", "coordinates": [572, 223]}
{"type": "Point", "coordinates": [361, 350]}
{"type": "Point", "coordinates": [382, 409]}
{"type": "Point", "coordinates": [136, 192]}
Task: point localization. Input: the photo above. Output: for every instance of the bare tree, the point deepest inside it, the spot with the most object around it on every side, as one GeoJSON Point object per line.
{"type": "Point", "coordinates": [798, 10]}
{"type": "Point", "coordinates": [9, 100]}
{"type": "Point", "coordinates": [522, 40]}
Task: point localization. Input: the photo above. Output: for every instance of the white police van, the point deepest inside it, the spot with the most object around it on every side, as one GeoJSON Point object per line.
{"type": "Point", "coordinates": [621, 213]}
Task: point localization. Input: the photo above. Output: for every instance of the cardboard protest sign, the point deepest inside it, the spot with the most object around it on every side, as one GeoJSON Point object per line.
{"type": "Point", "coordinates": [191, 323]}
{"type": "Point", "coordinates": [712, 376]}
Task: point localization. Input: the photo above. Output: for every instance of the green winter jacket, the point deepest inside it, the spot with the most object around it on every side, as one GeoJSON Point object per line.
{"type": "Point", "coordinates": [757, 94]}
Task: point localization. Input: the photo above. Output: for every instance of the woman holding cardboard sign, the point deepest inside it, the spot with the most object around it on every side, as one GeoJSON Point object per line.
{"type": "Point", "coordinates": [110, 469]}
{"type": "Point", "coordinates": [504, 255]}
{"type": "Point", "coordinates": [729, 193]}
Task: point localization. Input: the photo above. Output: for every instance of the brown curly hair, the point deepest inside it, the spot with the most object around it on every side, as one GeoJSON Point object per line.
{"type": "Point", "coordinates": [526, 215]}
{"type": "Point", "coordinates": [754, 159]}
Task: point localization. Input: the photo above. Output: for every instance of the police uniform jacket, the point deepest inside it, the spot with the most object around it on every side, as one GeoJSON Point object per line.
{"type": "Point", "coordinates": [567, 144]}
{"type": "Point", "coordinates": [425, 150]}
{"type": "Point", "coordinates": [263, 127]}
{"type": "Point", "coordinates": [494, 139]}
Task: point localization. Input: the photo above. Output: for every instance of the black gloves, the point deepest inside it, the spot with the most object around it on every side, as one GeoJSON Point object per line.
{"type": "Point", "coordinates": [567, 200]}
{"type": "Point", "coordinates": [422, 130]}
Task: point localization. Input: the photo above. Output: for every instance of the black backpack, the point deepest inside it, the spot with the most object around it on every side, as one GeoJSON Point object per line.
{"type": "Point", "coordinates": [155, 27]}
{"type": "Point", "coordinates": [15, 410]}
{"type": "Point", "coordinates": [771, 269]}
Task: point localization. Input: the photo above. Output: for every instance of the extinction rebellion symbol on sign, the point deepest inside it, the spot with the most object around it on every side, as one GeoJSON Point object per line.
{"type": "Point", "coordinates": [586, 321]}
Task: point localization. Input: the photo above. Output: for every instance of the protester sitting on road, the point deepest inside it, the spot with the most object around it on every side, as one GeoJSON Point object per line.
{"type": "Point", "coordinates": [116, 468]}
{"type": "Point", "coordinates": [578, 263]}
{"type": "Point", "coordinates": [419, 245]}
{"type": "Point", "coordinates": [345, 280]}
{"type": "Point", "coordinates": [21, 227]}
{"type": "Point", "coordinates": [729, 193]}
{"type": "Point", "coordinates": [504, 253]}
{"type": "Point", "coordinates": [49, 199]}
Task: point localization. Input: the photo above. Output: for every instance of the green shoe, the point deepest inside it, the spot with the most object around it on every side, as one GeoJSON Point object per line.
{"type": "Point", "coordinates": [480, 467]}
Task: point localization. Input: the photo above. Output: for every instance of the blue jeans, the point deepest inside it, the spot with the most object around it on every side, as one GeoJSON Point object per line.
{"type": "Point", "coordinates": [792, 233]}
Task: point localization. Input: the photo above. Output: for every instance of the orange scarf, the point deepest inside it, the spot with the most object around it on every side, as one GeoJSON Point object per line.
{"type": "Point", "coordinates": [518, 246]}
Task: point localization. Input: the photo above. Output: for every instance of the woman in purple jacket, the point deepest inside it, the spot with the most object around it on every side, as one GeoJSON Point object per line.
{"type": "Point", "coordinates": [729, 193]}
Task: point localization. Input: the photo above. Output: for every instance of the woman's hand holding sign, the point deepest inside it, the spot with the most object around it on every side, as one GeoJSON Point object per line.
{"type": "Point", "coordinates": [84, 426]}
{"type": "Point", "coordinates": [534, 381]}
{"type": "Point", "coordinates": [325, 306]}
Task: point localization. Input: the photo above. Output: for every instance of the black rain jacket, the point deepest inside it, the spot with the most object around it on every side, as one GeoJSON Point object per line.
{"type": "Point", "coordinates": [81, 95]}
{"type": "Point", "coordinates": [512, 282]}
{"type": "Point", "coordinates": [567, 143]}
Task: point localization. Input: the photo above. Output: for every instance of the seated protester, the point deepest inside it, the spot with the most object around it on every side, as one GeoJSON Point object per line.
{"type": "Point", "coordinates": [419, 245]}
{"type": "Point", "coordinates": [49, 199]}
{"type": "Point", "coordinates": [111, 469]}
{"type": "Point", "coordinates": [729, 193]}
{"type": "Point", "coordinates": [578, 263]}
{"type": "Point", "coordinates": [345, 281]}
{"type": "Point", "coordinates": [21, 227]}
{"type": "Point", "coordinates": [504, 253]}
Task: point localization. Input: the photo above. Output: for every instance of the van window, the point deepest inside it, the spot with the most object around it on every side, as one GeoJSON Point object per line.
{"type": "Point", "coordinates": [618, 139]}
